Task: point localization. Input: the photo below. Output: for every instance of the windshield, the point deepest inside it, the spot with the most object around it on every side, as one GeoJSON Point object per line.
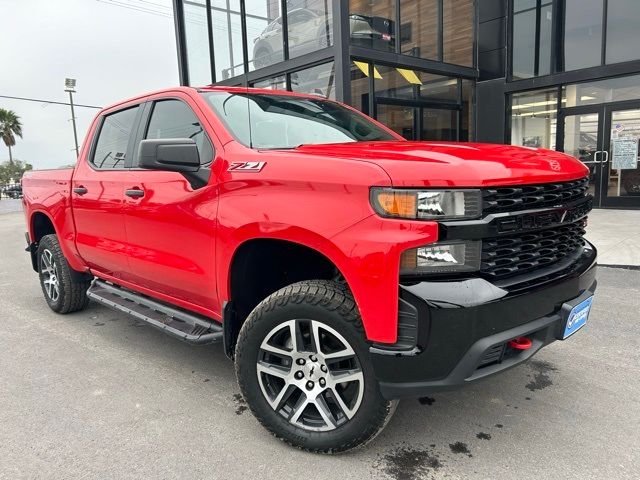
{"type": "Point", "coordinates": [266, 121]}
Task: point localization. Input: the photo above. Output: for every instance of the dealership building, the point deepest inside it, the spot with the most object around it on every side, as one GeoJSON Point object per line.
{"type": "Point", "coordinates": [559, 74]}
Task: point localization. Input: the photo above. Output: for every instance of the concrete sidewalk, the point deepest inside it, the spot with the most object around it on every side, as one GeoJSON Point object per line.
{"type": "Point", "coordinates": [616, 235]}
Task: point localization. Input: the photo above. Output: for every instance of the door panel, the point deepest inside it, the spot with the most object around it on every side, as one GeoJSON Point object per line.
{"type": "Point", "coordinates": [97, 195]}
{"type": "Point", "coordinates": [99, 220]}
{"type": "Point", "coordinates": [621, 169]}
{"type": "Point", "coordinates": [580, 135]}
{"type": "Point", "coordinates": [170, 226]}
{"type": "Point", "coordinates": [171, 237]}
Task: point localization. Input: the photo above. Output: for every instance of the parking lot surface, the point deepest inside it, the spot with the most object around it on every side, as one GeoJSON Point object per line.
{"type": "Point", "coordinates": [97, 395]}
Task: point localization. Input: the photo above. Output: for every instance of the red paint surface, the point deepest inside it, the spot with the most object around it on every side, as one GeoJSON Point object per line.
{"type": "Point", "coordinates": [177, 244]}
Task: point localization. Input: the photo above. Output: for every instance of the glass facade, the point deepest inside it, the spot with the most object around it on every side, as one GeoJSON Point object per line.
{"type": "Point", "coordinates": [623, 35]}
{"type": "Point", "coordinates": [441, 30]}
{"type": "Point", "coordinates": [593, 122]}
{"type": "Point", "coordinates": [309, 26]}
{"type": "Point", "coordinates": [416, 66]}
{"type": "Point", "coordinates": [264, 38]}
{"type": "Point", "coordinates": [552, 36]}
{"type": "Point", "coordinates": [419, 37]}
{"type": "Point", "coordinates": [372, 24]}
{"type": "Point", "coordinates": [416, 104]}
{"type": "Point", "coordinates": [583, 33]}
{"type": "Point", "coordinates": [319, 80]}
{"type": "Point", "coordinates": [197, 39]}
{"type": "Point", "coordinates": [227, 39]}
{"type": "Point", "coordinates": [534, 118]}
{"type": "Point", "coordinates": [532, 26]}
{"type": "Point", "coordinates": [458, 35]}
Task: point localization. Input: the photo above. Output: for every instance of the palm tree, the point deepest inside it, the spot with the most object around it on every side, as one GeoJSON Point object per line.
{"type": "Point", "coordinates": [10, 127]}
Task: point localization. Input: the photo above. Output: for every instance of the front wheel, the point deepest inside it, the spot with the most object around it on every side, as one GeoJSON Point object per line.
{"type": "Point", "coordinates": [303, 367]}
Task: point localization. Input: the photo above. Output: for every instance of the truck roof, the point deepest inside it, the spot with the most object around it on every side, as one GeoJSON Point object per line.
{"type": "Point", "coordinates": [211, 88]}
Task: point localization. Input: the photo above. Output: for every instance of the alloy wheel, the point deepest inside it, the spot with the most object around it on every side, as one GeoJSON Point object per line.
{"type": "Point", "coordinates": [49, 270]}
{"type": "Point", "coordinates": [310, 375]}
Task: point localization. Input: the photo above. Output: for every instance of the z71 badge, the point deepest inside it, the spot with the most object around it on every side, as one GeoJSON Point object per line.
{"type": "Point", "coordinates": [249, 167]}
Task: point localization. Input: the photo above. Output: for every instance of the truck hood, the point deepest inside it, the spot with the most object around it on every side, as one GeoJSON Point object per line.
{"type": "Point", "coordinates": [436, 164]}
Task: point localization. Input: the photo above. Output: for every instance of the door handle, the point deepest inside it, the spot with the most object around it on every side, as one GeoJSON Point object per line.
{"type": "Point", "coordinates": [595, 158]}
{"type": "Point", "coordinates": [134, 193]}
{"type": "Point", "coordinates": [606, 156]}
{"type": "Point", "coordinates": [80, 190]}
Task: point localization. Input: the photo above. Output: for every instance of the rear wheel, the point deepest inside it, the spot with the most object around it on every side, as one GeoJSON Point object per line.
{"type": "Point", "coordinates": [64, 289]}
{"type": "Point", "coordinates": [303, 367]}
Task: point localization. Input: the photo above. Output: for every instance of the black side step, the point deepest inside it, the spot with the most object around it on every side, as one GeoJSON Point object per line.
{"type": "Point", "coordinates": [186, 326]}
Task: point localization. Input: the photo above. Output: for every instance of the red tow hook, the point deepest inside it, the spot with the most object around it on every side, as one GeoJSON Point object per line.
{"type": "Point", "coordinates": [520, 343]}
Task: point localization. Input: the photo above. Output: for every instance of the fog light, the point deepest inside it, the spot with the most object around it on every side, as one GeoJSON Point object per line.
{"type": "Point", "coordinates": [442, 258]}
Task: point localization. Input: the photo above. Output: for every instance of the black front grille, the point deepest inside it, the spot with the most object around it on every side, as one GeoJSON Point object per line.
{"type": "Point", "coordinates": [525, 197]}
{"type": "Point", "coordinates": [523, 252]}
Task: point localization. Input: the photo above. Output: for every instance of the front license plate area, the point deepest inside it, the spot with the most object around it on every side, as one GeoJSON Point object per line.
{"type": "Point", "coordinates": [577, 317]}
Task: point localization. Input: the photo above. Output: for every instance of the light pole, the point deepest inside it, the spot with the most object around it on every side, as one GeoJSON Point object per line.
{"type": "Point", "coordinates": [69, 86]}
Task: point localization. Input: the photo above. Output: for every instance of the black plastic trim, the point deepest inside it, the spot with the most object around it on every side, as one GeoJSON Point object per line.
{"type": "Point", "coordinates": [467, 318]}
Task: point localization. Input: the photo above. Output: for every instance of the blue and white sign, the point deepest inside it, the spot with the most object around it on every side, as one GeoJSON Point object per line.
{"type": "Point", "coordinates": [578, 317]}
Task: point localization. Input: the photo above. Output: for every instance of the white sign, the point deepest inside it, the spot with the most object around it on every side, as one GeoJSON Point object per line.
{"type": "Point", "coordinates": [625, 154]}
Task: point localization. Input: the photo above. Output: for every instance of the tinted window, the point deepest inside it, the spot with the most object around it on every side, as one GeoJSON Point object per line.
{"type": "Point", "coordinates": [277, 121]}
{"type": "Point", "coordinates": [175, 119]}
{"type": "Point", "coordinates": [113, 139]}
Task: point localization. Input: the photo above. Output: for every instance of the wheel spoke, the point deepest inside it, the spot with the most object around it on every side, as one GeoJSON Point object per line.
{"type": "Point", "coordinates": [48, 286]}
{"type": "Point", "coordinates": [281, 349]}
{"type": "Point", "coordinates": [345, 376]}
{"type": "Point", "coordinates": [343, 406]}
{"type": "Point", "coordinates": [323, 409]}
{"type": "Point", "coordinates": [315, 336]}
{"type": "Point", "coordinates": [275, 370]}
{"type": "Point", "coordinates": [46, 259]}
{"type": "Point", "coordinates": [282, 397]}
{"type": "Point", "coordinates": [344, 353]}
{"type": "Point", "coordinates": [298, 408]}
{"type": "Point", "coordinates": [277, 350]}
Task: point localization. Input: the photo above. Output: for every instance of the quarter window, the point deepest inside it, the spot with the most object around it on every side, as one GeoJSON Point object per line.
{"type": "Point", "coordinates": [175, 119]}
{"type": "Point", "coordinates": [113, 139]}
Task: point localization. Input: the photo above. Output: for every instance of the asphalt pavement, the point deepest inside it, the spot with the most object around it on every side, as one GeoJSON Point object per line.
{"type": "Point", "coordinates": [97, 395]}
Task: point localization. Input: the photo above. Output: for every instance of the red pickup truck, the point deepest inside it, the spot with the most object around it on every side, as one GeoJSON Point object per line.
{"type": "Point", "coordinates": [341, 266]}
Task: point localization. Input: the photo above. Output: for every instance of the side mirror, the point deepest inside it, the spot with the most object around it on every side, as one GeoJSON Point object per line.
{"type": "Point", "coordinates": [169, 154]}
{"type": "Point", "coordinates": [174, 155]}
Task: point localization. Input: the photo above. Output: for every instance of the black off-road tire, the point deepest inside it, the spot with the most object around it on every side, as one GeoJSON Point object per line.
{"type": "Point", "coordinates": [72, 285]}
{"type": "Point", "coordinates": [332, 304]}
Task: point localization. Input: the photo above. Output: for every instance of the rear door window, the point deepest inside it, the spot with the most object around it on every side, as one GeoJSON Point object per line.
{"type": "Point", "coordinates": [113, 140]}
{"type": "Point", "coordinates": [175, 119]}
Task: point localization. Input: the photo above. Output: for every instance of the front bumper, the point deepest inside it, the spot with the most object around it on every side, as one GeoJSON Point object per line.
{"type": "Point", "coordinates": [463, 328]}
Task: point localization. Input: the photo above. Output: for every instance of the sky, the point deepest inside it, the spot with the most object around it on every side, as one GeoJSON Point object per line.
{"type": "Point", "coordinates": [111, 47]}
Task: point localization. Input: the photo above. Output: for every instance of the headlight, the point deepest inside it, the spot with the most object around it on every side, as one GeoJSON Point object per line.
{"type": "Point", "coordinates": [427, 204]}
{"type": "Point", "coordinates": [442, 258]}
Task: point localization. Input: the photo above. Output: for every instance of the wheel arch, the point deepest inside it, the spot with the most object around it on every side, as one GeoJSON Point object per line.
{"type": "Point", "coordinates": [40, 224]}
{"type": "Point", "coordinates": [260, 266]}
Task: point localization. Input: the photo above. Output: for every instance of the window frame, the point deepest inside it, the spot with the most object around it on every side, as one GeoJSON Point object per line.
{"type": "Point", "coordinates": [145, 122]}
{"type": "Point", "coordinates": [128, 161]}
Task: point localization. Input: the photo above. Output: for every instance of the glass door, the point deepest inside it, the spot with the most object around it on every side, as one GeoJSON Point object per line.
{"type": "Point", "coordinates": [580, 134]}
{"type": "Point", "coordinates": [620, 167]}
